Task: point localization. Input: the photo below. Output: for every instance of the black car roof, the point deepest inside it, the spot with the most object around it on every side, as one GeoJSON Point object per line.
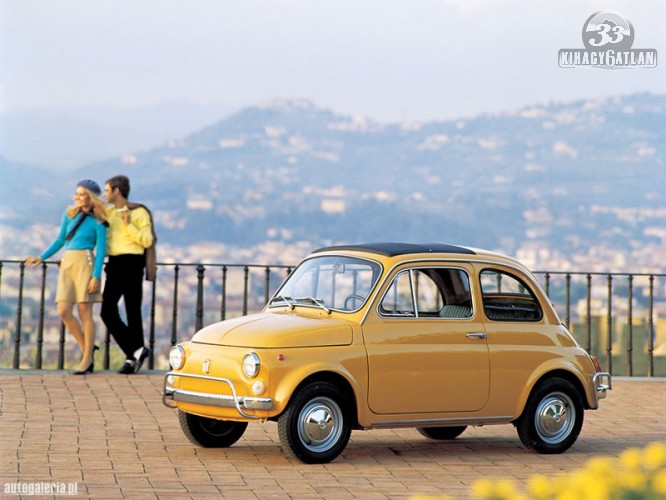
{"type": "Point", "coordinates": [393, 249]}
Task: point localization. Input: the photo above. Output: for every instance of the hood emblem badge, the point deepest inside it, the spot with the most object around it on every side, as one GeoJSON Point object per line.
{"type": "Point", "coordinates": [206, 366]}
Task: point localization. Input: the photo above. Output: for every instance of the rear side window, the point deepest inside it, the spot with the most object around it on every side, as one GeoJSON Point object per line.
{"type": "Point", "coordinates": [507, 298]}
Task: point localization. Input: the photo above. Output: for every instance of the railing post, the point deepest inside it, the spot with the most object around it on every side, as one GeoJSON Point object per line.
{"type": "Point", "coordinates": [588, 311]}
{"type": "Point", "coordinates": [609, 325]}
{"type": "Point", "coordinates": [651, 327]}
{"type": "Point", "coordinates": [267, 285]}
{"type": "Point", "coordinates": [19, 313]}
{"type": "Point", "coordinates": [547, 284]}
{"type": "Point", "coordinates": [630, 331]}
{"type": "Point", "coordinates": [107, 349]}
{"type": "Point", "coordinates": [174, 313]}
{"type": "Point", "coordinates": [61, 347]}
{"type": "Point", "coordinates": [567, 289]}
{"type": "Point", "coordinates": [40, 328]}
{"type": "Point", "coordinates": [223, 305]}
{"type": "Point", "coordinates": [200, 297]}
{"type": "Point", "coordinates": [151, 337]}
{"type": "Point", "coordinates": [246, 275]}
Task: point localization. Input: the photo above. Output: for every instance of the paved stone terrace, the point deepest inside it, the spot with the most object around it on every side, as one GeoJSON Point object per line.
{"type": "Point", "coordinates": [108, 436]}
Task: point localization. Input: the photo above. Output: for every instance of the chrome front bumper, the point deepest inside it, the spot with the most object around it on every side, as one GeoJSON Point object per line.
{"type": "Point", "coordinates": [171, 395]}
{"type": "Point", "coordinates": [602, 384]}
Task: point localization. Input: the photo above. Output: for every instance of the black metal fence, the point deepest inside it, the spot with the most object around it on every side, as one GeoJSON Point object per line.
{"type": "Point", "coordinates": [184, 298]}
{"type": "Point", "coordinates": [614, 316]}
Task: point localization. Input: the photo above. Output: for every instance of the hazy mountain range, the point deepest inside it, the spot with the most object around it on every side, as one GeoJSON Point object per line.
{"type": "Point", "coordinates": [566, 176]}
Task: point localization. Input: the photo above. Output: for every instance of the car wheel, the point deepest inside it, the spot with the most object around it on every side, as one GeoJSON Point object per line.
{"type": "Point", "coordinates": [553, 417]}
{"type": "Point", "coordinates": [315, 427]}
{"type": "Point", "coordinates": [441, 433]}
{"type": "Point", "coordinates": [210, 432]}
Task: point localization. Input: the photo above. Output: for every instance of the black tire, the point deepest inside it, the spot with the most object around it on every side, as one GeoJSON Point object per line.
{"type": "Point", "coordinates": [315, 427]}
{"type": "Point", "coordinates": [441, 433]}
{"type": "Point", "coordinates": [552, 418]}
{"type": "Point", "coordinates": [210, 432]}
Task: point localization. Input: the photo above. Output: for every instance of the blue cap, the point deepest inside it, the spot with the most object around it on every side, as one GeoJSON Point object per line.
{"type": "Point", "coordinates": [91, 186]}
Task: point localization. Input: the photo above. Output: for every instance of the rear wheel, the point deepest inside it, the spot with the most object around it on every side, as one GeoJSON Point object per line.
{"type": "Point", "coordinates": [441, 433]}
{"type": "Point", "coordinates": [210, 432]}
{"type": "Point", "coordinates": [315, 427]}
{"type": "Point", "coordinates": [553, 417]}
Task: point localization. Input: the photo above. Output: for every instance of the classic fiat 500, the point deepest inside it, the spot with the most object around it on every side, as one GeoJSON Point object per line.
{"type": "Point", "coordinates": [435, 337]}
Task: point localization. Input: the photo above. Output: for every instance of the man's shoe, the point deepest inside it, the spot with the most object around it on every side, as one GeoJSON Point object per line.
{"type": "Point", "coordinates": [128, 367]}
{"type": "Point", "coordinates": [140, 355]}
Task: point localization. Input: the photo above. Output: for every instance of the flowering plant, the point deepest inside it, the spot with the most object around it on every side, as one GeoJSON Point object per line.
{"type": "Point", "coordinates": [636, 474]}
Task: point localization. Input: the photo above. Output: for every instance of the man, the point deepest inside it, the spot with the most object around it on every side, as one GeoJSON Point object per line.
{"type": "Point", "coordinates": [130, 234]}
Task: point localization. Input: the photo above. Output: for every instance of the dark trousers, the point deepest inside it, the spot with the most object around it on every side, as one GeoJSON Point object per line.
{"type": "Point", "coordinates": [124, 278]}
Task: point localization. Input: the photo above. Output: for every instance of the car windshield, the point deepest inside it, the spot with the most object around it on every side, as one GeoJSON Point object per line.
{"type": "Point", "coordinates": [330, 283]}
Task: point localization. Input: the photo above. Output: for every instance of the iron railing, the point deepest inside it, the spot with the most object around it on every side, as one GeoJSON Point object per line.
{"type": "Point", "coordinates": [257, 283]}
{"type": "Point", "coordinates": [612, 315]}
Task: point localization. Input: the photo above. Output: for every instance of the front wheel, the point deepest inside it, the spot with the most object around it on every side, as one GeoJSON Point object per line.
{"type": "Point", "coordinates": [315, 427]}
{"type": "Point", "coordinates": [553, 417]}
{"type": "Point", "coordinates": [210, 432]}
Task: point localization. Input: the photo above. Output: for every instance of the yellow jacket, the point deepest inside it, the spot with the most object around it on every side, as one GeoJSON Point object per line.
{"type": "Point", "coordinates": [132, 238]}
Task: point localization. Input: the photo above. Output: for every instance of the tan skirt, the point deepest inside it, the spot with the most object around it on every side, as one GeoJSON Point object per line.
{"type": "Point", "coordinates": [76, 269]}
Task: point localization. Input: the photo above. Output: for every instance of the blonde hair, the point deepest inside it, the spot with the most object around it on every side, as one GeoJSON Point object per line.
{"type": "Point", "coordinates": [99, 207]}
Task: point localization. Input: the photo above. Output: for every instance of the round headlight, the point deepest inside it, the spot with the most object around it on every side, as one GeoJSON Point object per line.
{"type": "Point", "coordinates": [251, 364]}
{"type": "Point", "coordinates": [177, 357]}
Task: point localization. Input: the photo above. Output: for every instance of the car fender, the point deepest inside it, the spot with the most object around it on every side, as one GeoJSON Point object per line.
{"type": "Point", "coordinates": [296, 376]}
{"type": "Point", "coordinates": [557, 367]}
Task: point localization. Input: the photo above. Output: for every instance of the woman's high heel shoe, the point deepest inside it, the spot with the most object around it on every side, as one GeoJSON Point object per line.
{"type": "Point", "coordinates": [90, 369]}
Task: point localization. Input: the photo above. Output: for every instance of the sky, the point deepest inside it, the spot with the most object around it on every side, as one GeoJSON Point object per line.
{"type": "Point", "coordinates": [390, 60]}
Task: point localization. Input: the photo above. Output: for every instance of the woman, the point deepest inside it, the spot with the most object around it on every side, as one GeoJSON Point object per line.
{"type": "Point", "coordinates": [83, 230]}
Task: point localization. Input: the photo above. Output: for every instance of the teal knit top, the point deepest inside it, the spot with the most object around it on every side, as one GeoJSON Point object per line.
{"type": "Point", "coordinates": [90, 235]}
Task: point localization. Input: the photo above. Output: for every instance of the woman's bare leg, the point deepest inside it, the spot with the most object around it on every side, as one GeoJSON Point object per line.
{"type": "Point", "coordinates": [86, 315]}
{"type": "Point", "coordinates": [65, 310]}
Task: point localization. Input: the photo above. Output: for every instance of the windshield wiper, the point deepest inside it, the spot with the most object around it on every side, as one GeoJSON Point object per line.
{"type": "Point", "coordinates": [284, 299]}
{"type": "Point", "coordinates": [318, 302]}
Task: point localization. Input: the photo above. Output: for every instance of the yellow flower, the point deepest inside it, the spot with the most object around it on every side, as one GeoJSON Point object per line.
{"type": "Point", "coordinates": [659, 482]}
{"type": "Point", "coordinates": [601, 466]}
{"type": "Point", "coordinates": [506, 488]}
{"type": "Point", "coordinates": [655, 455]}
{"type": "Point", "coordinates": [633, 481]}
{"type": "Point", "coordinates": [631, 458]}
{"type": "Point", "coordinates": [483, 488]}
{"type": "Point", "coordinates": [540, 486]}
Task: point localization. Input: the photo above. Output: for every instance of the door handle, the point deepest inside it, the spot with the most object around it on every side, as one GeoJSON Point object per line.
{"type": "Point", "coordinates": [479, 335]}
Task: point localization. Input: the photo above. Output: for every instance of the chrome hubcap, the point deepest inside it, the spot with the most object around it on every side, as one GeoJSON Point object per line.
{"type": "Point", "coordinates": [555, 417]}
{"type": "Point", "coordinates": [320, 424]}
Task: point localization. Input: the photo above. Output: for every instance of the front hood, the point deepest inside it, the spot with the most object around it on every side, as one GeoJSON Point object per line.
{"type": "Point", "coordinates": [270, 330]}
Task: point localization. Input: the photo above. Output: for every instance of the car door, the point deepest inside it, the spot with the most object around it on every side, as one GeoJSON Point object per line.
{"type": "Point", "coordinates": [519, 338]}
{"type": "Point", "coordinates": [426, 346]}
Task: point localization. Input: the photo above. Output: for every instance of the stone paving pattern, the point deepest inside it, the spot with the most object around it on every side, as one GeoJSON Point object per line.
{"type": "Point", "coordinates": [111, 436]}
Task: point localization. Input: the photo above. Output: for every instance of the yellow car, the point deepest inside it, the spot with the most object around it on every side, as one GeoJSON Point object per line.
{"type": "Point", "coordinates": [436, 337]}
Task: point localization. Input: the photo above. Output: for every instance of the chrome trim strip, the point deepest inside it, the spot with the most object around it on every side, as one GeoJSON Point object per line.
{"type": "Point", "coordinates": [169, 395]}
{"type": "Point", "coordinates": [442, 422]}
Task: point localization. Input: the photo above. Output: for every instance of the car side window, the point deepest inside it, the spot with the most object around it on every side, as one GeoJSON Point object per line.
{"type": "Point", "coordinates": [507, 298]}
{"type": "Point", "coordinates": [439, 293]}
